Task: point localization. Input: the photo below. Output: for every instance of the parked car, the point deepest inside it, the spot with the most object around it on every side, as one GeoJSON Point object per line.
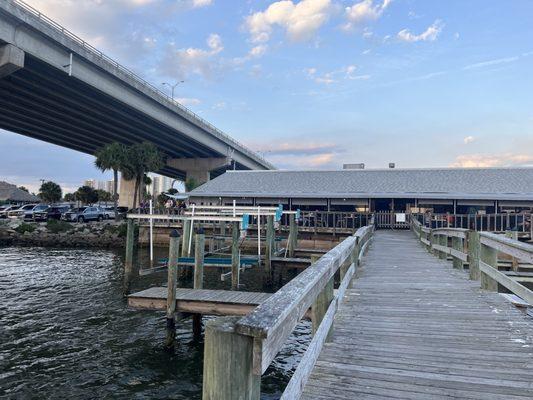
{"type": "Point", "coordinates": [84, 214]}
{"type": "Point", "coordinates": [109, 212]}
{"type": "Point", "coordinates": [53, 212]}
{"type": "Point", "coordinates": [7, 208]}
{"type": "Point", "coordinates": [19, 212]}
{"type": "Point", "coordinates": [30, 215]}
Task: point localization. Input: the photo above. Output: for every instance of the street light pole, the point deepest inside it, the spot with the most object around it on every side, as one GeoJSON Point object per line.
{"type": "Point", "coordinates": [172, 87]}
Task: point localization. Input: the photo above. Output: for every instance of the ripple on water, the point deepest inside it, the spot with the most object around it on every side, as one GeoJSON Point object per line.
{"type": "Point", "coordinates": [65, 332]}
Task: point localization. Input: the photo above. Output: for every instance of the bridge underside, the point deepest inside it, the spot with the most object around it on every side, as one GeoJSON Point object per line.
{"type": "Point", "coordinates": [48, 105]}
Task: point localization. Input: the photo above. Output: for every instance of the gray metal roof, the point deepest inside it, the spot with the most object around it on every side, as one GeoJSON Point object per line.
{"type": "Point", "coordinates": [9, 192]}
{"type": "Point", "coordinates": [444, 183]}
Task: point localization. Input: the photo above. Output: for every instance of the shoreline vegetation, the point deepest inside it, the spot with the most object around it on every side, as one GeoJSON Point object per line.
{"type": "Point", "coordinates": [53, 233]}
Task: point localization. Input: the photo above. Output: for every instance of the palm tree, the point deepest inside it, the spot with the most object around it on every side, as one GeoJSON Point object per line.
{"type": "Point", "coordinates": [140, 159]}
{"type": "Point", "coordinates": [112, 157]}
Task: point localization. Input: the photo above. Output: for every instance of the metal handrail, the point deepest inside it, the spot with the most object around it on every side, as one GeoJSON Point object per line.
{"type": "Point", "coordinates": [94, 51]}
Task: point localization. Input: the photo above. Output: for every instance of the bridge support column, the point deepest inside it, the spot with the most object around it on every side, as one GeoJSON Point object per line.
{"type": "Point", "coordinates": [198, 169]}
{"type": "Point", "coordinates": [126, 193]}
{"type": "Point", "coordinates": [11, 59]}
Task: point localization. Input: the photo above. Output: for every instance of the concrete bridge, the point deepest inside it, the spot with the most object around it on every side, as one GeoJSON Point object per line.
{"type": "Point", "coordinates": [57, 88]}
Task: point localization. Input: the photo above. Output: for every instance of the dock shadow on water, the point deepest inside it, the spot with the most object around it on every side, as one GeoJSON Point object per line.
{"type": "Point", "coordinates": [66, 331]}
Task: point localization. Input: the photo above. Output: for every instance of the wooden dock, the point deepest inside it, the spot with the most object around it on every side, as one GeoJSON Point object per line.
{"type": "Point", "coordinates": [199, 301]}
{"type": "Point", "coordinates": [414, 328]}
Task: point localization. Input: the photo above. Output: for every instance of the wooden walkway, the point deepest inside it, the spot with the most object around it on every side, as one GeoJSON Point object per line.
{"type": "Point", "coordinates": [414, 328]}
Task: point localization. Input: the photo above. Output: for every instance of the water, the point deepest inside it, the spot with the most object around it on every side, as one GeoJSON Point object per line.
{"type": "Point", "coordinates": [66, 332]}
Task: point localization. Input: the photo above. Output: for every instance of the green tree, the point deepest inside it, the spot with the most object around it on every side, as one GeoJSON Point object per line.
{"type": "Point", "coordinates": [140, 159]}
{"type": "Point", "coordinates": [69, 197]}
{"type": "Point", "coordinates": [50, 192]}
{"type": "Point", "coordinates": [87, 195]}
{"type": "Point", "coordinates": [103, 195]}
{"type": "Point", "coordinates": [112, 157]}
{"type": "Point", "coordinates": [191, 184]}
{"type": "Point", "coordinates": [23, 188]}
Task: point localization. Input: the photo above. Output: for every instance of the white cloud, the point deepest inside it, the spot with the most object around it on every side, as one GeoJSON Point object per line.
{"type": "Point", "coordinates": [221, 105]}
{"type": "Point", "coordinates": [348, 72]}
{"type": "Point", "coordinates": [363, 11]}
{"type": "Point", "coordinates": [187, 101]}
{"type": "Point", "coordinates": [492, 160]}
{"type": "Point", "coordinates": [300, 20]}
{"type": "Point", "coordinates": [491, 63]}
{"type": "Point", "coordinates": [184, 62]}
{"type": "Point", "coordinates": [429, 35]}
{"type": "Point", "coordinates": [201, 3]}
{"type": "Point", "coordinates": [469, 139]}
{"type": "Point", "coordinates": [258, 51]}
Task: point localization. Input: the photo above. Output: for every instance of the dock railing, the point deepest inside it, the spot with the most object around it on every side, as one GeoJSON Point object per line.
{"type": "Point", "coordinates": [239, 350]}
{"type": "Point", "coordinates": [481, 251]}
{"type": "Point", "coordinates": [499, 222]}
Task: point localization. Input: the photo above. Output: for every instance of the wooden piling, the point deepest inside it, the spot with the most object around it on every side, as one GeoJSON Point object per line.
{"type": "Point", "coordinates": [235, 256]}
{"type": "Point", "coordinates": [173, 256]}
{"type": "Point", "coordinates": [186, 238]}
{"type": "Point", "coordinates": [128, 262]}
{"type": "Point", "coordinates": [228, 362]}
{"type": "Point", "coordinates": [292, 240]}
{"type": "Point", "coordinates": [489, 256]}
{"type": "Point", "coordinates": [199, 250]}
{"type": "Point", "coordinates": [269, 245]}
{"type": "Point", "coordinates": [473, 254]}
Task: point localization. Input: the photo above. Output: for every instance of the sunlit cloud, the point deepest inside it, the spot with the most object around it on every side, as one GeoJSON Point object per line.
{"type": "Point", "coordinates": [469, 139]}
{"type": "Point", "coordinates": [300, 20]}
{"type": "Point", "coordinates": [363, 11]}
{"type": "Point", "coordinates": [492, 160]}
{"type": "Point", "coordinates": [429, 35]}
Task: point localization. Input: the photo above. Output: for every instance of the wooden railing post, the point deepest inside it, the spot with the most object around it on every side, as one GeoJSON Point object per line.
{"type": "Point", "coordinates": [235, 257]}
{"type": "Point", "coordinates": [198, 283]}
{"type": "Point", "coordinates": [473, 254]}
{"type": "Point", "coordinates": [228, 363]}
{"type": "Point", "coordinates": [457, 244]}
{"type": "Point", "coordinates": [489, 256]}
{"type": "Point", "coordinates": [443, 241]}
{"type": "Point", "coordinates": [173, 257]}
{"type": "Point", "coordinates": [428, 236]}
{"type": "Point", "coordinates": [321, 304]}
{"type": "Point", "coordinates": [432, 241]}
{"type": "Point", "coordinates": [353, 259]}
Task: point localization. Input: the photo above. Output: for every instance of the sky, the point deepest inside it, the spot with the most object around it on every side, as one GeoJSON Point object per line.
{"type": "Point", "coordinates": [313, 84]}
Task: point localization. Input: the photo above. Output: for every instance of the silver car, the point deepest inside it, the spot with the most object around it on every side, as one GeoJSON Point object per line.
{"type": "Point", "coordinates": [84, 214]}
{"type": "Point", "coordinates": [19, 212]}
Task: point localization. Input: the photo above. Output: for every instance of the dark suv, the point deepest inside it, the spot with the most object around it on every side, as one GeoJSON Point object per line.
{"type": "Point", "coordinates": [83, 214]}
{"type": "Point", "coordinates": [54, 212]}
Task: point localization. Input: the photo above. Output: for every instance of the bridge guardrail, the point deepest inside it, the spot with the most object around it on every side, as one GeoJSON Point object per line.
{"type": "Point", "coordinates": [140, 81]}
{"type": "Point", "coordinates": [481, 251]}
{"type": "Point", "coordinates": [241, 349]}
